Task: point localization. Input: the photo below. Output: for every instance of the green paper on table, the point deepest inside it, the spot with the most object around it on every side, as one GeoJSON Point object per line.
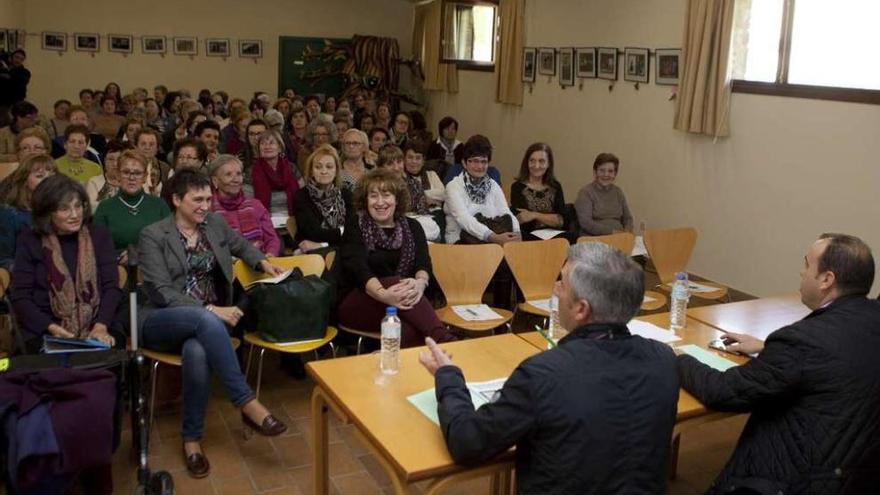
{"type": "Point", "coordinates": [481, 393]}
{"type": "Point", "coordinates": [707, 358]}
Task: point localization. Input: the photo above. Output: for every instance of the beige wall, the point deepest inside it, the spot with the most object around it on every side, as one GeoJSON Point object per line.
{"type": "Point", "coordinates": [11, 14]}
{"type": "Point", "coordinates": [791, 169]}
{"type": "Point", "coordinates": [57, 76]}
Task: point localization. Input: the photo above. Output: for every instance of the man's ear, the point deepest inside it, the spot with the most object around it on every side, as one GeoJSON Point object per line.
{"type": "Point", "coordinates": [582, 311]}
{"type": "Point", "coordinates": [827, 280]}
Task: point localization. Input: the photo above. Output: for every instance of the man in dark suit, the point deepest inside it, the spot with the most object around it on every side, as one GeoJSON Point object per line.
{"type": "Point", "coordinates": [813, 391]}
{"type": "Point", "coordinates": [593, 415]}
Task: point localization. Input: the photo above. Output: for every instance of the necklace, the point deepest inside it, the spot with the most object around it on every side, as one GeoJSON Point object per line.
{"type": "Point", "coordinates": [132, 208]}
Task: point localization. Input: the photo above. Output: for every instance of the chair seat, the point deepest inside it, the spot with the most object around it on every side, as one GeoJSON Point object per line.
{"type": "Point", "coordinates": [361, 333]}
{"type": "Point", "coordinates": [448, 316]}
{"type": "Point", "coordinates": [533, 310]}
{"type": "Point", "coordinates": [253, 338]}
{"type": "Point", "coordinates": [658, 302]}
{"type": "Point", "coordinates": [174, 359]}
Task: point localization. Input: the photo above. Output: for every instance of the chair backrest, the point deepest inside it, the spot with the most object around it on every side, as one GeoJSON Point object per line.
{"type": "Point", "coordinates": [505, 188]}
{"type": "Point", "coordinates": [123, 276]}
{"type": "Point", "coordinates": [291, 226]}
{"type": "Point", "coordinates": [329, 259]}
{"type": "Point", "coordinates": [6, 169]}
{"type": "Point", "coordinates": [5, 280]}
{"type": "Point", "coordinates": [536, 265]}
{"type": "Point", "coordinates": [464, 270]}
{"type": "Point", "coordinates": [622, 241]}
{"type": "Point", "coordinates": [310, 264]}
{"type": "Point", "coordinates": [670, 250]}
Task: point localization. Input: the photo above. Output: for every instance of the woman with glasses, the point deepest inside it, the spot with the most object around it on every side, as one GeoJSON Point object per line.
{"type": "Point", "coordinates": [321, 130]}
{"type": "Point", "coordinates": [400, 128]}
{"type": "Point", "coordinates": [101, 187]}
{"type": "Point", "coordinates": [32, 141]}
{"type": "Point", "coordinates": [132, 209]}
{"type": "Point", "coordinates": [15, 201]}
{"type": "Point", "coordinates": [354, 165]}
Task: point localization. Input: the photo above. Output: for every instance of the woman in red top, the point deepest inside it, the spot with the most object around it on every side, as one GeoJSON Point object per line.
{"type": "Point", "coordinates": [274, 179]}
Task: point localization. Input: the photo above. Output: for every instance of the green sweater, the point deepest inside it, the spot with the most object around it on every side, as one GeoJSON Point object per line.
{"type": "Point", "coordinates": [85, 169]}
{"type": "Point", "coordinates": [124, 226]}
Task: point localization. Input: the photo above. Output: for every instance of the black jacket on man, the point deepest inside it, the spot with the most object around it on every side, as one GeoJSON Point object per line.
{"type": "Point", "coordinates": [594, 415]}
{"type": "Point", "coordinates": [814, 395]}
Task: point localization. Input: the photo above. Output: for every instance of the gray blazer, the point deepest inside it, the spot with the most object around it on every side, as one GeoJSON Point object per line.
{"type": "Point", "coordinates": [162, 261]}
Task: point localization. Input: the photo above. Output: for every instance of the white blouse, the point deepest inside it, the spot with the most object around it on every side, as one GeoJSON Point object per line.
{"type": "Point", "coordinates": [460, 211]}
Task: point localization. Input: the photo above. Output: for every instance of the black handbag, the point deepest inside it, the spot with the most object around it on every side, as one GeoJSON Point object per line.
{"type": "Point", "coordinates": [293, 310]}
{"type": "Point", "coordinates": [499, 225]}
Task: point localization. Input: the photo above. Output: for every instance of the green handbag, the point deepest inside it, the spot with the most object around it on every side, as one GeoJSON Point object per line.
{"type": "Point", "coordinates": [293, 310]}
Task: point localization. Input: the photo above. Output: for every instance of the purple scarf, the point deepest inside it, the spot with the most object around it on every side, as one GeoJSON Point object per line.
{"type": "Point", "coordinates": [400, 239]}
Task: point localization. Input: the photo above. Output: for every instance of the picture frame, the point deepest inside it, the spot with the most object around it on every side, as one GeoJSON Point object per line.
{"type": "Point", "coordinates": [668, 63]}
{"type": "Point", "coordinates": [547, 61]}
{"type": "Point", "coordinates": [217, 47]}
{"type": "Point", "coordinates": [606, 66]}
{"type": "Point", "coordinates": [566, 67]}
{"type": "Point", "coordinates": [54, 40]}
{"type": "Point", "coordinates": [4, 43]}
{"type": "Point", "coordinates": [585, 63]}
{"type": "Point", "coordinates": [529, 64]}
{"type": "Point", "coordinates": [186, 45]}
{"type": "Point", "coordinates": [120, 43]}
{"type": "Point", "coordinates": [15, 39]}
{"type": "Point", "coordinates": [250, 48]}
{"type": "Point", "coordinates": [153, 44]}
{"type": "Point", "coordinates": [86, 42]}
{"type": "Point", "coordinates": [637, 64]}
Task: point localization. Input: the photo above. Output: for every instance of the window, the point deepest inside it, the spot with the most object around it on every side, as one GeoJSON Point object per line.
{"type": "Point", "coordinates": [469, 33]}
{"type": "Point", "coordinates": [807, 48]}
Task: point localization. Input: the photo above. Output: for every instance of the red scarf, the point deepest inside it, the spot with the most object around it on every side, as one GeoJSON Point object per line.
{"type": "Point", "coordinates": [265, 181]}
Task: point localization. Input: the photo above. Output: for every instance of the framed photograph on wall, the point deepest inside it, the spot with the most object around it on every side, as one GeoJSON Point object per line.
{"type": "Point", "coordinates": [86, 42]}
{"type": "Point", "coordinates": [607, 68]}
{"type": "Point", "coordinates": [250, 48]}
{"type": "Point", "coordinates": [547, 61]}
{"type": "Point", "coordinates": [120, 43]}
{"type": "Point", "coordinates": [217, 47]}
{"type": "Point", "coordinates": [667, 61]}
{"type": "Point", "coordinates": [529, 64]}
{"type": "Point", "coordinates": [186, 45]}
{"type": "Point", "coordinates": [153, 44]}
{"type": "Point", "coordinates": [566, 66]}
{"type": "Point", "coordinates": [54, 40]}
{"type": "Point", "coordinates": [585, 62]}
{"type": "Point", "coordinates": [636, 66]}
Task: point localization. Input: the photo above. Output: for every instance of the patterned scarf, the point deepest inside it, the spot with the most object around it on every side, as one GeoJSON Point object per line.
{"type": "Point", "coordinates": [401, 239]}
{"type": "Point", "coordinates": [329, 203]}
{"type": "Point", "coordinates": [477, 188]}
{"type": "Point", "coordinates": [107, 191]}
{"type": "Point", "coordinates": [418, 201]}
{"type": "Point", "coordinates": [74, 300]}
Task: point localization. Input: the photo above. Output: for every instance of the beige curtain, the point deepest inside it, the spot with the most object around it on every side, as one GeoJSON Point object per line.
{"type": "Point", "coordinates": [426, 48]}
{"type": "Point", "coordinates": [508, 67]}
{"type": "Point", "coordinates": [704, 90]}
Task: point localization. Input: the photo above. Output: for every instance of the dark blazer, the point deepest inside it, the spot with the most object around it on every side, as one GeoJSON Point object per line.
{"type": "Point", "coordinates": [308, 219]}
{"type": "Point", "coordinates": [814, 398]}
{"type": "Point", "coordinates": [594, 415]}
{"type": "Point", "coordinates": [162, 261]}
{"type": "Point", "coordinates": [29, 293]}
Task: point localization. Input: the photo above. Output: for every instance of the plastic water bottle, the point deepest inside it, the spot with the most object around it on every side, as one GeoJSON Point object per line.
{"type": "Point", "coordinates": [554, 330]}
{"type": "Point", "coordinates": [678, 306]}
{"type": "Point", "coordinates": [390, 354]}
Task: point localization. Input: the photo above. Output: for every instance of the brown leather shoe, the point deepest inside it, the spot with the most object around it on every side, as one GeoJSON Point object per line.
{"type": "Point", "coordinates": [197, 464]}
{"type": "Point", "coordinates": [271, 426]}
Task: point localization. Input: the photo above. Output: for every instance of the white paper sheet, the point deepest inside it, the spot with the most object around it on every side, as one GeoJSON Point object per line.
{"type": "Point", "coordinates": [696, 287]}
{"type": "Point", "coordinates": [271, 280]}
{"type": "Point", "coordinates": [547, 233]}
{"type": "Point", "coordinates": [648, 299]}
{"type": "Point", "coordinates": [475, 312]}
{"type": "Point", "coordinates": [651, 331]}
{"type": "Point", "coordinates": [279, 221]}
{"type": "Point", "coordinates": [639, 247]}
{"type": "Point", "coordinates": [541, 304]}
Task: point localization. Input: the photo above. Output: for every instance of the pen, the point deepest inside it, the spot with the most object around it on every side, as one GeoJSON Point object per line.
{"type": "Point", "coordinates": [546, 337]}
{"type": "Point", "coordinates": [469, 310]}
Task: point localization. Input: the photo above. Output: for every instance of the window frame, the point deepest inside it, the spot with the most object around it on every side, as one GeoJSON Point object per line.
{"type": "Point", "coordinates": [471, 64]}
{"type": "Point", "coordinates": [781, 87]}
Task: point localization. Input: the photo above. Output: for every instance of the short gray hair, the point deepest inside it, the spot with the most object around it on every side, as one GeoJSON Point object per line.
{"type": "Point", "coordinates": [609, 280]}
{"type": "Point", "coordinates": [324, 121]}
{"type": "Point", "coordinates": [218, 163]}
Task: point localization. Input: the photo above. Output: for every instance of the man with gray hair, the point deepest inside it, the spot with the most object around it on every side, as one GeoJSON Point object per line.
{"type": "Point", "coordinates": [593, 415]}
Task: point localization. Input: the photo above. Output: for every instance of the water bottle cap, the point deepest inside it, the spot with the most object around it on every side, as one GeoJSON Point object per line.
{"type": "Point", "coordinates": [391, 310]}
{"type": "Point", "coordinates": [681, 276]}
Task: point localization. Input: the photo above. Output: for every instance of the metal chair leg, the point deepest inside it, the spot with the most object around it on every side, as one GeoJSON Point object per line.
{"type": "Point", "coordinates": [332, 348]}
{"type": "Point", "coordinates": [247, 367]}
{"type": "Point", "coordinates": [154, 379]}
{"type": "Point", "coordinates": [360, 340]}
{"type": "Point", "coordinates": [260, 371]}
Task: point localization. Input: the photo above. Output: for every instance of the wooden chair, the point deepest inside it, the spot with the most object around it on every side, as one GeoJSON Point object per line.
{"type": "Point", "coordinates": [463, 272]}
{"type": "Point", "coordinates": [310, 264]}
{"type": "Point", "coordinates": [329, 259]}
{"type": "Point", "coordinates": [670, 250]}
{"type": "Point", "coordinates": [6, 169]}
{"type": "Point", "coordinates": [535, 266]}
{"type": "Point", "coordinates": [622, 241]}
{"type": "Point", "coordinates": [291, 226]}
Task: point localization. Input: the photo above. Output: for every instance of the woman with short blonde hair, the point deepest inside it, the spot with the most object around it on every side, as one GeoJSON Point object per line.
{"type": "Point", "coordinates": [322, 208]}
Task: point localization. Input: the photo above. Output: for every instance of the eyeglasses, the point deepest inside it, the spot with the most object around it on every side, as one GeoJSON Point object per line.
{"type": "Point", "coordinates": [401, 121]}
{"type": "Point", "coordinates": [478, 161]}
{"type": "Point", "coordinates": [324, 134]}
{"type": "Point", "coordinates": [132, 174]}
{"type": "Point", "coordinates": [188, 158]}
{"type": "Point", "coordinates": [32, 149]}
{"type": "Point", "coordinates": [352, 143]}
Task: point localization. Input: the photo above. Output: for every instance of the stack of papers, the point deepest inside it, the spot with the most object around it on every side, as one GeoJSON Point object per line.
{"type": "Point", "coordinates": [651, 331]}
{"type": "Point", "coordinates": [541, 304]}
{"type": "Point", "coordinates": [639, 247]}
{"type": "Point", "coordinates": [271, 280]}
{"type": "Point", "coordinates": [482, 393]}
{"type": "Point", "coordinates": [547, 233]}
{"type": "Point", "coordinates": [707, 358]}
{"type": "Point", "coordinates": [648, 299]}
{"type": "Point", "coordinates": [279, 221]}
{"type": "Point", "coordinates": [475, 312]}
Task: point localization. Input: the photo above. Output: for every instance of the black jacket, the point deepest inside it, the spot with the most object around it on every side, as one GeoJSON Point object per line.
{"type": "Point", "coordinates": [814, 396]}
{"type": "Point", "coordinates": [595, 415]}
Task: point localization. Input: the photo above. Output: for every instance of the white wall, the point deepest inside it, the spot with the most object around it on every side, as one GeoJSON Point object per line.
{"type": "Point", "coordinates": [791, 169]}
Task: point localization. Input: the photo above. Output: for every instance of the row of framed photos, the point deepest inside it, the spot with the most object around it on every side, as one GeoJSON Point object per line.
{"type": "Point", "coordinates": [124, 43]}
{"type": "Point", "coordinates": [591, 63]}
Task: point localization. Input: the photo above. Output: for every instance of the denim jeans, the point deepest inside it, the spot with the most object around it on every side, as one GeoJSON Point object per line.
{"type": "Point", "coordinates": [203, 342]}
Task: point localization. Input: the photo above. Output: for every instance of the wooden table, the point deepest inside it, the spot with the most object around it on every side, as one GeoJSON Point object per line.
{"type": "Point", "coordinates": [758, 318]}
{"type": "Point", "coordinates": [408, 445]}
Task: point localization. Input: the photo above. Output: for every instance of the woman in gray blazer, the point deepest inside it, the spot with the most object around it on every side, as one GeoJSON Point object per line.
{"type": "Point", "coordinates": [186, 261]}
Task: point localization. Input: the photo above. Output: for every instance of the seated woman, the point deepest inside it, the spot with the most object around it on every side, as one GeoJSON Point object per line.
{"type": "Point", "coordinates": [421, 181]}
{"type": "Point", "coordinates": [16, 191]}
{"type": "Point", "coordinates": [446, 146]}
{"type": "Point", "coordinates": [392, 157]}
{"type": "Point", "coordinates": [130, 129]}
{"type": "Point", "coordinates": [601, 206]}
{"type": "Point", "coordinates": [385, 262]}
{"type": "Point", "coordinates": [107, 122]}
{"type": "Point", "coordinates": [132, 209]}
{"type": "Point", "coordinates": [101, 187]}
{"type": "Point", "coordinates": [64, 281]}
{"type": "Point", "coordinates": [322, 208]}
{"type": "Point", "coordinates": [377, 137]}
{"type": "Point", "coordinates": [321, 130]}
{"type": "Point", "coordinates": [383, 115]}
{"type": "Point", "coordinates": [298, 123]}
{"type": "Point", "coordinates": [31, 141]}
{"type": "Point", "coordinates": [474, 193]}
{"type": "Point", "coordinates": [186, 261]}
{"type": "Point", "coordinates": [147, 143]}
{"type": "Point", "coordinates": [74, 164]}
{"type": "Point", "coordinates": [354, 145]}
{"type": "Point", "coordinates": [456, 169]}
{"type": "Point", "coordinates": [537, 196]}
{"type": "Point", "coordinates": [273, 177]}
{"type": "Point", "coordinates": [399, 131]}
{"type": "Point", "coordinates": [247, 216]}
